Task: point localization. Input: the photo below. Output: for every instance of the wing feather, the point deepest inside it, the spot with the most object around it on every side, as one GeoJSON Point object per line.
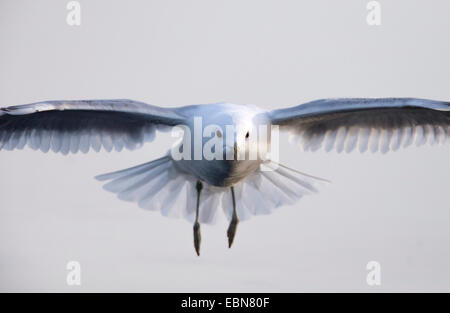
{"type": "Point", "coordinates": [81, 125]}
{"type": "Point", "coordinates": [380, 124]}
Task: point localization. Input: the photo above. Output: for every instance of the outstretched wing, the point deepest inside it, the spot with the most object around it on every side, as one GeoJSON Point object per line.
{"type": "Point", "coordinates": [72, 126]}
{"type": "Point", "coordinates": [376, 124]}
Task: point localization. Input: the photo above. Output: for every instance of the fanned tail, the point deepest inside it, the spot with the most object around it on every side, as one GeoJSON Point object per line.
{"type": "Point", "coordinates": [274, 185]}
{"type": "Point", "coordinates": [159, 186]}
{"type": "Point", "coordinates": [155, 185]}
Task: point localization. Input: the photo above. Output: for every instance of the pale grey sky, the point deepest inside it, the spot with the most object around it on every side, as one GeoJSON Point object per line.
{"type": "Point", "coordinates": [389, 208]}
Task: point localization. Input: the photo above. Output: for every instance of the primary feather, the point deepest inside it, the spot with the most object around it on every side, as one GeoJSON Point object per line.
{"type": "Point", "coordinates": [72, 126]}
{"type": "Point", "coordinates": [383, 124]}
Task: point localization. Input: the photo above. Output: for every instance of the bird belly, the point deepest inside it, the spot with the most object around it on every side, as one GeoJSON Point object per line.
{"type": "Point", "coordinates": [220, 173]}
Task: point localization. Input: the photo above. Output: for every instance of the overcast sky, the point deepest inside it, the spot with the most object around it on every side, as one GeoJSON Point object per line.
{"type": "Point", "coordinates": [390, 208]}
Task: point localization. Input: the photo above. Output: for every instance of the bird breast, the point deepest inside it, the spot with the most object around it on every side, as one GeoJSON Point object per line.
{"type": "Point", "coordinates": [220, 173]}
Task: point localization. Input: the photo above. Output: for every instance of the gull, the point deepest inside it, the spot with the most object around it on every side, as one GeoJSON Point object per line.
{"type": "Point", "coordinates": [198, 188]}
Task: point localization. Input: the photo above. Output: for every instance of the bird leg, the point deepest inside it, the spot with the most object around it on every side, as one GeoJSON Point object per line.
{"type": "Point", "coordinates": [234, 221]}
{"type": "Point", "coordinates": [197, 236]}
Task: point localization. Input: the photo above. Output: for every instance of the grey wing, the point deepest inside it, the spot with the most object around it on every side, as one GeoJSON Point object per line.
{"type": "Point", "coordinates": [381, 124]}
{"type": "Point", "coordinates": [78, 125]}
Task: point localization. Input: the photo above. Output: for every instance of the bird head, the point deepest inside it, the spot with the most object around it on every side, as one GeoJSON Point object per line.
{"type": "Point", "coordinates": [244, 137]}
{"type": "Point", "coordinates": [228, 132]}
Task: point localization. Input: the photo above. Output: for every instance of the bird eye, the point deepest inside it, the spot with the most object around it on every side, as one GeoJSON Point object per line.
{"type": "Point", "coordinates": [218, 133]}
{"type": "Point", "coordinates": [247, 135]}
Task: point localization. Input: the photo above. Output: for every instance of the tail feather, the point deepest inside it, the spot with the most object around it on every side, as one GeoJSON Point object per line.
{"type": "Point", "coordinates": [140, 187]}
{"type": "Point", "coordinates": [174, 202]}
{"type": "Point", "coordinates": [138, 169]}
{"type": "Point", "coordinates": [266, 190]}
{"type": "Point", "coordinates": [159, 186]}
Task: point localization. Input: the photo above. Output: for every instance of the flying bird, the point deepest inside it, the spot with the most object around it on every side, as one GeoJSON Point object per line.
{"type": "Point", "coordinates": [197, 188]}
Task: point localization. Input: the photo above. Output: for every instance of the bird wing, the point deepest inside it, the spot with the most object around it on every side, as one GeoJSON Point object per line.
{"type": "Point", "coordinates": [378, 124]}
{"type": "Point", "coordinates": [78, 125]}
